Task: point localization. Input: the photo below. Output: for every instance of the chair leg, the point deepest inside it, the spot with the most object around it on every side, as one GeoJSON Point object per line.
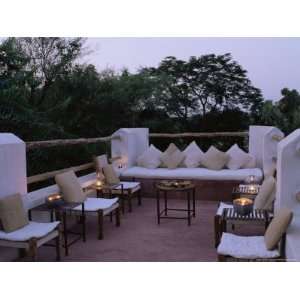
{"type": "Point", "coordinates": [32, 251]}
{"type": "Point", "coordinates": [57, 247]}
{"type": "Point", "coordinates": [118, 217]}
{"type": "Point", "coordinates": [111, 217]}
{"type": "Point", "coordinates": [217, 221]}
{"type": "Point", "coordinates": [139, 198]}
{"type": "Point", "coordinates": [129, 198]}
{"type": "Point", "coordinates": [100, 225]}
{"type": "Point", "coordinates": [122, 200]}
{"type": "Point", "coordinates": [222, 258]}
{"type": "Point", "coordinates": [22, 253]}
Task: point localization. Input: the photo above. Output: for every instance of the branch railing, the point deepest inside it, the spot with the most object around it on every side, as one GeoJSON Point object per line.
{"type": "Point", "coordinates": [64, 142]}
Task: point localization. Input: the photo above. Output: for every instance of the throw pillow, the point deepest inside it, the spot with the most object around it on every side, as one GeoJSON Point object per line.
{"type": "Point", "coordinates": [278, 227]}
{"type": "Point", "coordinates": [237, 158]}
{"type": "Point", "coordinates": [193, 155]}
{"type": "Point", "coordinates": [12, 213]}
{"type": "Point", "coordinates": [173, 160]}
{"type": "Point", "coordinates": [70, 187]}
{"type": "Point", "coordinates": [266, 194]}
{"type": "Point", "coordinates": [150, 158]}
{"type": "Point", "coordinates": [110, 175]}
{"type": "Point", "coordinates": [171, 148]}
{"type": "Point", "coordinates": [214, 159]}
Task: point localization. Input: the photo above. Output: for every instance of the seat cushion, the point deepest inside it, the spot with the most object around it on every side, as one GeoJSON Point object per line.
{"type": "Point", "coordinates": [31, 230]}
{"type": "Point", "coordinates": [70, 187]}
{"type": "Point", "coordinates": [247, 247]}
{"type": "Point", "coordinates": [191, 173]}
{"type": "Point", "coordinates": [278, 226]}
{"type": "Point", "coordinates": [95, 204]}
{"type": "Point", "coordinates": [127, 185]}
{"type": "Point", "coordinates": [12, 213]}
{"type": "Point", "coordinates": [221, 207]}
{"type": "Point", "coordinates": [214, 159]}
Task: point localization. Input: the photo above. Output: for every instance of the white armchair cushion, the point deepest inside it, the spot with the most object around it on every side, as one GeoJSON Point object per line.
{"type": "Point", "coordinates": [237, 158]}
{"type": "Point", "coordinates": [247, 247]}
{"type": "Point", "coordinates": [150, 158]}
{"type": "Point", "coordinates": [95, 204]}
{"type": "Point", "coordinates": [32, 230]}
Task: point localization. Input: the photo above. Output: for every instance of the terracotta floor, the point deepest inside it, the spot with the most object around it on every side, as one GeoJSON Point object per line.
{"type": "Point", "coordinates": [140, 238]}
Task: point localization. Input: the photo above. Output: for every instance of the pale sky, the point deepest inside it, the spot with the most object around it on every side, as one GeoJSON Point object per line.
{"type": "Point", "coordinates": [272, 63]}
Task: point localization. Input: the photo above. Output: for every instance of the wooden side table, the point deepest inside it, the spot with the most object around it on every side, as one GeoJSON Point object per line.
{"type": "Point", "coordinates": [258, 216]}
{"type": "Point", "coordinates": [190, 191]}
{"type": "Point", "coordinates": [60, 213]}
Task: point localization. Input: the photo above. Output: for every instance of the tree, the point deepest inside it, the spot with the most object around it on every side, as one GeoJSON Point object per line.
{"type": "Point", "coordinates": [202, 84]}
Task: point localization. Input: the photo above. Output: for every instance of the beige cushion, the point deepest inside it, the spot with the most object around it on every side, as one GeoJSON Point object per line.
{"type": "Point", "coordinates": [150, 158]}
{"type": "Point", "coordinates": [70, 187]}
{"type": "Point", "coordinates": [270, 170]}
{"type": "Point", "coordinates": [110, 175]}
{"type": "Point", "coordinates": [100, 162]}
{"type": "Point", "coordinates": [171, 148]}
{"type": "Point", "coordinates": [193, 155]}
{"type": "Point", "coordinates": [214, 159]}
{"type": "Point", "coordinates": [173, 160]}
{"type": "Point", "coordinates": [237, 158]}
{"type": "Point", "coordinates": [266, 195]}
{"type": "Point", "coordinates": [12, 213]}
{"type": "Point", "coordinates": [278, 227]}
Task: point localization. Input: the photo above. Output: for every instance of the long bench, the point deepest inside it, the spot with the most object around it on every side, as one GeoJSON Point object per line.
{"type": "Point", "coordinates": [211, 185]}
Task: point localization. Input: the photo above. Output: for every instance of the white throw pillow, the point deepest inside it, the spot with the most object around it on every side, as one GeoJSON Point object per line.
{"type": "Point", "coordinates": [237, 158]}
{"type": "Point", "coordinates": [193, 155]}
{"type": "Point", "coordinates": [173, 160]}
{"type": "Point", "coordinates": [214, 159]}
{"type": "Point", "coordinates": [251, 164]}
{"type": "Point", "coordinates": [171, 149]}
{"type": "Point", "coordinates": [150, 158]}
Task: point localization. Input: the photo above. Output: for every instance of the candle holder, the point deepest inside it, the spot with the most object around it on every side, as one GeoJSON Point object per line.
{"type": "Point", "coordinates": [243, 206]}
{"type": "Point", "coordinates": [54, 200]}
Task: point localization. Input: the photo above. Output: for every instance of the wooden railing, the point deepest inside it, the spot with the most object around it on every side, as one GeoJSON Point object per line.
{"type": "Point", "coordinates": [83, 167]}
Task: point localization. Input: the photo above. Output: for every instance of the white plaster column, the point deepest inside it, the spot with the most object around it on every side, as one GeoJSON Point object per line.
{"type": "Point", "coordinates": [263, 146]}
{"type": "Point", "coordinates": [131, 143]}
{"type": "Point", "coordinates": [13, 178]}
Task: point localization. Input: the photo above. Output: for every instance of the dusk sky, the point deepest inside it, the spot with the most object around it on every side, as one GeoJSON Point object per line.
{"type": "Point", "coordinates": [272, 63]}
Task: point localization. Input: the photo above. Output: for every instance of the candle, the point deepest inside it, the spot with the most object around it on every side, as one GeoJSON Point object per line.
{"type": "Point", "coordinates": [243, 206]}
{"type": "Point", "coordinates": [98, 183]}
{"type": "Point", "coordinates": [54, 199]}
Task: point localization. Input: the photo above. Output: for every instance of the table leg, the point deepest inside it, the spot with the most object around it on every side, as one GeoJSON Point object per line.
{"type": "Point", "coordinates": [194, 202]}
{"type": "Point", "coordinates": [83, 218]}
{"type": "Point", "coordinates": [139, 197]}
{"type": "Point", "coordinates": [166, 203]}
{"type": "Point", "coordinates": [189, 207]}
{"type": "Point", "coordinates": [158, 206]}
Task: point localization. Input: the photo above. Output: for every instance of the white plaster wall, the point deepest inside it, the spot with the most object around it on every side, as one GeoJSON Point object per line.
{"type": "Point", "coordinates": [288, 184]}
{"type": "Point", "coordinates": [12, 165]}
{"type": "Point", "coordinates": [132, 143]}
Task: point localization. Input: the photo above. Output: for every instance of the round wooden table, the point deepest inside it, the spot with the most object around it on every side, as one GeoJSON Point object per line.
{"type": "Point", "coordinates": [189, 190]}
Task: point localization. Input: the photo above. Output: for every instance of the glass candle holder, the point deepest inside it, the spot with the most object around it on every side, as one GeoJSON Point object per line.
{"type": "Point", "coordinates": [243, 206]}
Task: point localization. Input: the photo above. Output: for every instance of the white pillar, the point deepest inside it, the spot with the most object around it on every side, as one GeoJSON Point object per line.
{"type": "Point", "coordinates": [263, 146]}
{"type": "Point", "coordinates": [131, 143]}
{"type": "Point", "coordinates": [12, 165]}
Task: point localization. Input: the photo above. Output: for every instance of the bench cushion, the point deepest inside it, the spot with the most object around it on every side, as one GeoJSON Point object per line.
{"type": "Point", "coordinates": [191, 173]}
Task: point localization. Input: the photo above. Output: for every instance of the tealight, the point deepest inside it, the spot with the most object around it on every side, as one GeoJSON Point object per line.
{"type": "Point", "coordinates": [243, 206]}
